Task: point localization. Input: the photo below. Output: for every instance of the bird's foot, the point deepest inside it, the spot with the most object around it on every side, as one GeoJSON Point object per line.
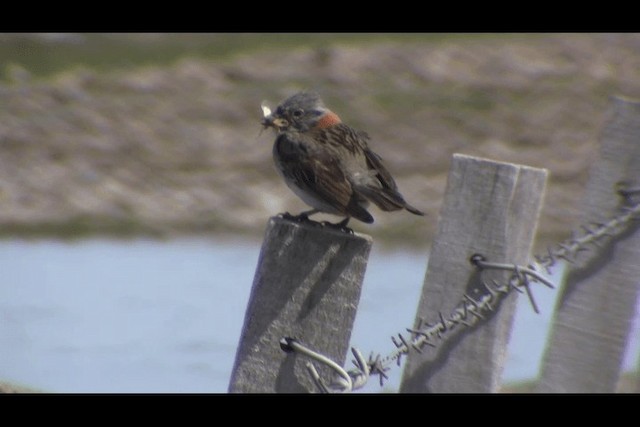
{"type": "Point", "coordinates": [300, 218]}
{"type": "Point", "coordinates": [295, 218]}
{"type": "Point", "coordinates": [340, 226]}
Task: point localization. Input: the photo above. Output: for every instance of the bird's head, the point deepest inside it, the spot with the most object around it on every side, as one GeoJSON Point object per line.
{"type": "Point", "coordinates": [299, 113]}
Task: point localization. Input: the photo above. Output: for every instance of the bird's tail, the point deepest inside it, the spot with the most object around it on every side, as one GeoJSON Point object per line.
{"type": "Point", "coordinates": [358, 211]}
{"type": "Point", "coordinates": [413, 210]}
{"type": "Point", "coordinates": [388, 199]}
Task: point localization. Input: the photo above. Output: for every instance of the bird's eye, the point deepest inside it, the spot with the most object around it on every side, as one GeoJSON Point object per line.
{"type": "Point", "coordinates": [298, 113]}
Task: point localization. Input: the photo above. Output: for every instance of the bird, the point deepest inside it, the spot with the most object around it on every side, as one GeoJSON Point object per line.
{"type": "Point", "coordinates": [329, 164]}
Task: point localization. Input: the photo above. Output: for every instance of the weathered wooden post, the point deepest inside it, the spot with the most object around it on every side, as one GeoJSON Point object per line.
{"type": "Point", "coordinates": [597, 303]}
{"type": "Point", "coordinates": [489, 208]}
{"type": "Point", "coordinates": [307, 286]}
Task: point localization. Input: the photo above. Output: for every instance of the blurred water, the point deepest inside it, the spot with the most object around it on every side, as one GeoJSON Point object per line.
{"type": "Point", "coordinates": [150, 316]}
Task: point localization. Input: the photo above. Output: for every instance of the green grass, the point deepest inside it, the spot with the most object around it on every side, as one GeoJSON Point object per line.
{"type": "Point", "coordinates": [78, 228]}
{"type": "Point", "coordinates": [86, 226]}
{"type": "Point", "coordinates": [43, 56]}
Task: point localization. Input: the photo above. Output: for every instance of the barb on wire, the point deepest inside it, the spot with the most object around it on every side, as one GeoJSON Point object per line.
{"type": "Point", "coordinates": [378, 367]}
{"type": "Point", "coordinates": [359, 375]}
{"type": "Point", "coordinates": [520, 278]}
{"type": "Point", "coordinates": [519, 271]}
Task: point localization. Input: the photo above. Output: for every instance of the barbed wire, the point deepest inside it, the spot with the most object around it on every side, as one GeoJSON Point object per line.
{"type": "Point", "coordinates": [469, 311]}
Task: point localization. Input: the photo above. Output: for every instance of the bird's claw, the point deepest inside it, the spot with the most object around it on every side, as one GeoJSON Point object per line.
{"type": "Point", "coordinates": [339, 226]}
{"type": "Point", "coordinates": [294, 218]}
{"type": "Point", "coordinates": [301, 218]}
{"type": "Point", "coordinates": [304, 218]}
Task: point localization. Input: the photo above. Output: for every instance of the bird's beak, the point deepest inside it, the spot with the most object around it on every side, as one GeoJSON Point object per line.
{"type": "Point", "coordinates": [274, 122]}
{"type": "Point", "coordinates": [269, 120]}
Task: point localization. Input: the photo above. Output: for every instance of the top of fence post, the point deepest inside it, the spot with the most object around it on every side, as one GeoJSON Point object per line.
{"type": "Point", "coordinates": [597, 303]}
{"type": "Point", "coordinates": [490, 208]}
{"type": "Point", "coordinates": [307, 286]}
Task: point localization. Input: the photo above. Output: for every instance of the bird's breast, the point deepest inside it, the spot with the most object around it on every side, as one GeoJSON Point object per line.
{"type": "Point", "coordinates": [286, 148]}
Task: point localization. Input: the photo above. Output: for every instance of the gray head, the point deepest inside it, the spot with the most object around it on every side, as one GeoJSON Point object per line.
{"type": "Point", "coordinates": [300, 112]}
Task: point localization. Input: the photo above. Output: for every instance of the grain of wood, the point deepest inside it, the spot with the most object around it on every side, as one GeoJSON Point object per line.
{"type": "Point", "coordinates": [490, 208]}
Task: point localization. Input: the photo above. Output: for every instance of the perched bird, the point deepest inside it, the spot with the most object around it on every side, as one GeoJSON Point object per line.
{"type": "Point", "coordinates": [327, 163]}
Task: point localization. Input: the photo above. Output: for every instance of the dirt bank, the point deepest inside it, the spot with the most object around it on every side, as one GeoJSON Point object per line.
{"type": "Point", "coordinates": [176, 148]}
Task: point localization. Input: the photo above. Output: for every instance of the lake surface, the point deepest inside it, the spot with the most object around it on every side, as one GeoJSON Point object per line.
{"type": "Point", "coordinates": [165, 316]}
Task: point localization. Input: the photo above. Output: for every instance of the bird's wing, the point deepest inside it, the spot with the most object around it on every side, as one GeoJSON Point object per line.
{"type": "Point", "coordinates": [388, 198]}
{"type": "Point", "coordinates": [356, 140]}
{"type": "Point", "coordinates": [314, 171]}
{"type": "Point", "coordinates": [374, 182]}
{"type": "Point", "coordinates": [374, 162]}
{"type": "Point", "coordinates": [381, 188]}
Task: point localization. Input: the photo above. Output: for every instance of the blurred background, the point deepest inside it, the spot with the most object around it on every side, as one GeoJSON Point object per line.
{"type": "Point", "coordinates": [135, 182]}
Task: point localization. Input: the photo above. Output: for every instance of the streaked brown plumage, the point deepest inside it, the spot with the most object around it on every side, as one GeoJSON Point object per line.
{"type": "Point", "coordinates": [327, 163]}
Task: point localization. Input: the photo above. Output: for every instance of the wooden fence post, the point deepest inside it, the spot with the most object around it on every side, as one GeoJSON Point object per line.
{"type": "Point", "coordinates": [597, 303]}
{"type": "Point", "coordinates": [307, 286]}
{"type": "Point", "coordinates": [489, 208]}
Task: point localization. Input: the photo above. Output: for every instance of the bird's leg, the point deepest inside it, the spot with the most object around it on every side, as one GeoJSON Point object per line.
{"type": "Point", "coordinates": [301, 217]}
{"type": "Point", "coordinates": [342, 225]}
